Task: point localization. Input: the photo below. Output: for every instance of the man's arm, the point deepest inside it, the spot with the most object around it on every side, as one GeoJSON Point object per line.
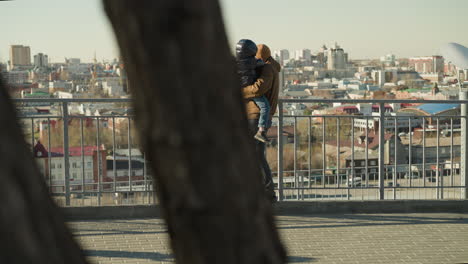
{"type": "Point", "coordinates": [261, 86]}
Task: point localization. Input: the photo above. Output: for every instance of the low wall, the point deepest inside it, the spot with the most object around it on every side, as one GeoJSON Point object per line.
{"type": "Point", "coordinates": [371, 207]}
{"type": "Point", "coordinates": [283, 208]}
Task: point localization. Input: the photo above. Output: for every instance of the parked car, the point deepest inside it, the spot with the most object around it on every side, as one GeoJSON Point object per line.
{"type": "Point", "coordinates": [431, 179]}
{"type": "Point", "coordinates": [356, 182]}
{"type": "Point", "coordinates": [413, 175]}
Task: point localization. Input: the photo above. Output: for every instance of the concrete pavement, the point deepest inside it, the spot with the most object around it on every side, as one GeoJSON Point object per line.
{"type": "Point", "coordinates": [346, 238]}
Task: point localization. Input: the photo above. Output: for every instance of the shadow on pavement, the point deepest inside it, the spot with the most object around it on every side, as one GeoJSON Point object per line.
{"type": "Point", "coordinates": [128, 254]}
{"type": "Point", "coordinates": [111, 232]}
{"type": "Point", "coordinates": [301, 260]}
{"type": "Point", "coordinates": [346, 220]}
{"type": "Point", "coordinates": [317, 196]}
{"type": "Point", "coordinates": [161, 257]}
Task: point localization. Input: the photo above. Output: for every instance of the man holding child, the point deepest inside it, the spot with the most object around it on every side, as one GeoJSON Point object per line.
{"type": "Point", "coordinates": [260, 89]}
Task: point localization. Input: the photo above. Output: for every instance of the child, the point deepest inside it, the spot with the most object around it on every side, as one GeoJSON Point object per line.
{"type": "Point", "coordinates": [247, 66]}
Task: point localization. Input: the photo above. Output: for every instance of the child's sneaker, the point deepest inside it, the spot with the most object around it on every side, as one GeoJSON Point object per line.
{"type": "Point", "coordinates": [261, 136]}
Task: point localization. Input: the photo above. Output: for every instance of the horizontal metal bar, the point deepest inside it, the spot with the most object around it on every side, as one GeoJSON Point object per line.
{"type": "Point", "coordinates": [349, 101]}
{"type": "Point", "coordinates": [77, 100]}
{"type": "Point", "coordinates": [369, 188]}
{"type": "Point", "coordinates": [108, 192]}
{"type": "Point", "coordinates": [377, 101]}
{"type": "Point", "coordinates": [295, 116]}
{"type": "Point", "coordinates": [39, 116]}
{"type": "Point", "coordinates": [75, 116]}
{"type": "Point", "coordinates": [331, 188]}
{"type": "Point", "coordinates": [387, 117]}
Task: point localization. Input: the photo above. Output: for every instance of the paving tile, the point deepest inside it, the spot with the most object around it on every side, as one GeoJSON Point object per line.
{"type": "Point", "coordinates": [385, 238]}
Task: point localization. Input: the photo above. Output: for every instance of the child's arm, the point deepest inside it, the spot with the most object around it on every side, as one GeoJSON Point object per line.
{"type": "Point", "coordinates": [261, 85]}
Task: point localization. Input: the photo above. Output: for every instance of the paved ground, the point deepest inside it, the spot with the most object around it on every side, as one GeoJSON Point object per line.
{"type": "Point", "coordinates": [385, 238]}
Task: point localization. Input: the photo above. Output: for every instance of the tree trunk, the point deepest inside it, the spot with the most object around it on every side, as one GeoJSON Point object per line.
{"type": "Point", "coordinates": [191, 120]}
{"type": "Point", "coordinates": [32, 227]}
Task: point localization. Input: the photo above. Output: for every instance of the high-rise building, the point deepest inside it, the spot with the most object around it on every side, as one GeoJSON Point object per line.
{"type": "Point", "coordinates": [433, 64]}
{"type": "Point", "coordinates": [388, 60]}
{"type": "Point", "coordinates": [20, 56]}
{"type": "Point", "coordinates": [281, 55]}
{"type": "Point", "coordinates": [72, 61]}
{"type": "Point", "coordinates": [449, 68]}
{"type": "Point", "coordinates": [284, 55]}
{"type": "Point", "coordinates": [322, 56]}
{"type": "Point", "coordinates": [337, 58]}
{"type": "Point", "coordinates": [298, 55]}
{"type": "Point", "coordinates": [304, 54]}
{"type": "Point", "coordinates": [41, 60]}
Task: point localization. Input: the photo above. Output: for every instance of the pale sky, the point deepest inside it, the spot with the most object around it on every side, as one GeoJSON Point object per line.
{"type": "Point", "coordinates": [364, 28]}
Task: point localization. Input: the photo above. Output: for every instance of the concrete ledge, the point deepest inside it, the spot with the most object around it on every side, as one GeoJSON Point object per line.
{"type": "Point", "coordinates": [283, 208]}
{"type": "Point", "coordinates": [111, 212]}
{"type": "Point", "coordinates": [371, 207]}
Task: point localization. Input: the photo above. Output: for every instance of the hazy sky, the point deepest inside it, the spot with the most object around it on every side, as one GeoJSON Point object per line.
{"type": "Point", "coordinates": [364, 28]}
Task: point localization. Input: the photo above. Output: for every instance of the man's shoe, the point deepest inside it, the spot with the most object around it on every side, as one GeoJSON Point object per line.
{"type": "Point", "coordinates": [261, 136]}
{"type": "Point", "coordinates": [273, 200]}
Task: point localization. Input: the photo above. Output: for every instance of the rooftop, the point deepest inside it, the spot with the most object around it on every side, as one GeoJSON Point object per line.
{"type": "Point", "coordinates": [434, 109]}
{"type": "Point", "coordinates": [431, 141]}
{"type": "Point", "coordinates": [41, 151]}
{"type": "Point", "coordinates": [361, 155]}
{"type": "Point", "coordinates": [373, 141]}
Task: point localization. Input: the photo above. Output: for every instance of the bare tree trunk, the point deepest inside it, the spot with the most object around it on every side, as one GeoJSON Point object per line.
{"type": "Point", "coordinates": [32, 228]}
{"type": "Point", "coordinates": [193, 129]}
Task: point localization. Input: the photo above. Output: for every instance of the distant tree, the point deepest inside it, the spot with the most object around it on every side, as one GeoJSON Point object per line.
{"type": "Point", "coordinates": [90, 134]}
{"type": "Point", "coordinates": [192, 126]}
{"type": "Point", "coordinates": [401, 88]}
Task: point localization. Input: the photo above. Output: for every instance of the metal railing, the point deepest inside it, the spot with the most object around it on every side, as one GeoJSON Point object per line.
{"type": "Point", "coordinates": [400, 168]}
{"type": "Point", "coordinates": [322, 157]}
{"type": "Point", "coordinates": [77, 174]}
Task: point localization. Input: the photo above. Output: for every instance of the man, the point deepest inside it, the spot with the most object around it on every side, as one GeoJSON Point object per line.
{"type": "Point", "coordinates": [268, 85]}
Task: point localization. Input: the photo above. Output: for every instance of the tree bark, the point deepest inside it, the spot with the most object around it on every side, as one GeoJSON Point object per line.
{"type": "Point", "coordinates": [32, 227]}
{"type": "Point", "coordinates": [191, 120]}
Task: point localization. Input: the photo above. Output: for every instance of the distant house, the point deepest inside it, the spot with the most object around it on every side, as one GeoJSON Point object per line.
{"type": "Point", "coordinates": [86, 166]}
{"type": "Point", "coordinates": [347, 109]}
{"type": "Point", "coordinates": [357, 94]}
{"type": "Point", "coordinates": [433, 148]}
{"type": "Point", "coordinates": [434, 110]}
{"type": "Point", "coordinates": [36, 95]}
{"type": "Point", "coordinates": [359, 159]}
{"type": "Point", "coordinates": [427, 151]}
{"type": "Point", "coordinates": [134, 152]}
{"type": "Point", "coordinates": [369, 143]}
{"type": "Point", "coordinates": [121, 169]}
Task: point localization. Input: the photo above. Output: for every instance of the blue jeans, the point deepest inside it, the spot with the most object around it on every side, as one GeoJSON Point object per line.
{"type": "Point", "coordinates": [264, 105]}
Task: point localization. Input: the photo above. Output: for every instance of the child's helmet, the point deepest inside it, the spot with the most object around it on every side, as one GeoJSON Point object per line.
{"type": "Point", "coordinates": [246, 48]}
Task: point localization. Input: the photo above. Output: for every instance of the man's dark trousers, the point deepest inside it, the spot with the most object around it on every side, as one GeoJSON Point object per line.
{"type": "Point", "coordinates": [261, 154]}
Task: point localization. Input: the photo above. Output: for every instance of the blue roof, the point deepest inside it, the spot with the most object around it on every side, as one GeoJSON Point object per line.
{"type": "Point", "coordinates": [437, 108]}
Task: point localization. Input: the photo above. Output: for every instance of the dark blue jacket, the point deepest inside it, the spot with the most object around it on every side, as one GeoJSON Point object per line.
{"type": "Point", "coordinates": [247, 64]}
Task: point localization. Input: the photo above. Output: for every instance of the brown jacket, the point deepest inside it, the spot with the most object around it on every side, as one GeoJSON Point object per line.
{"type": "Point", "coordinates": [267, 84]}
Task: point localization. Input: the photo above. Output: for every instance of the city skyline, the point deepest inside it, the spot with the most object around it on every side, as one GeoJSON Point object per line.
{"type": "Point", "coordinates": [365, 30]}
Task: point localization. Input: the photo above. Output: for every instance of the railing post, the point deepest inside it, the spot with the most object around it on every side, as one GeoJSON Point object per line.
{"type": "Point", "coordinates": [66, 153]}
{"type": "Point", "coordinates": [280, 151]}
{"type": "Point", "coordinates": [381, 151]}
{"type": "Point", "coordinates": [99, 165]}
{"type": "Point", "coordinates": [464, 134]}
{"type": "Point", "coordinates": [297, 184]}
